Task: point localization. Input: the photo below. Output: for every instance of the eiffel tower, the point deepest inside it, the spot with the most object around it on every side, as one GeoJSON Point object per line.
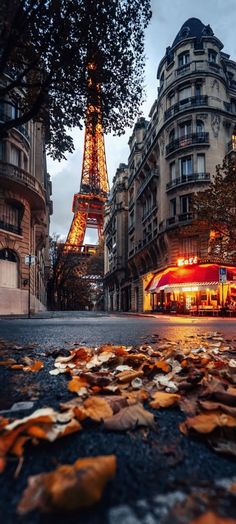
{"type": "Point", "coordinates": [88, 204]}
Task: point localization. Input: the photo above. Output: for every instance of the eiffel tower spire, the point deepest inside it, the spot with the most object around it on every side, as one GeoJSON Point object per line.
{"type": "Point", "coordinates": [88, 204]}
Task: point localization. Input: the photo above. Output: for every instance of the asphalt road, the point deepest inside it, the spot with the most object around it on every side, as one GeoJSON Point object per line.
{"type": "Point", "coordinates": [155, 472]}
{"type": "Point", "coordinates": [62, 328]}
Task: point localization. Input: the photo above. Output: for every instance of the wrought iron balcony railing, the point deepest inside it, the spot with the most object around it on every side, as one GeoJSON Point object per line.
{"type": "Point", "coordinates": [10, 227]}
{"type": "Point", "coordinates": [187, 141]}
{"type": "Point", "coordinates": [188, 179]}
{"type": "Point", "coordinates": [187, 103]}
{"type": "Point", "coordinates": [20, 175]}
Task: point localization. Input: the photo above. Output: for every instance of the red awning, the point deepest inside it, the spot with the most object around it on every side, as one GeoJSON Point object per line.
{"type": "Point", "coordinates": [205, 274]}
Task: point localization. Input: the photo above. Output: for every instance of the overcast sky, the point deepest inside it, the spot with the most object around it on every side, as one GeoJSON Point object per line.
{"type": "Point", "coordinates": [168, 17]}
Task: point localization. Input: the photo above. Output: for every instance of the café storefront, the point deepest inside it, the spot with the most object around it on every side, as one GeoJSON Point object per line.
{"type": "Point", "coordinates": [194, 289]}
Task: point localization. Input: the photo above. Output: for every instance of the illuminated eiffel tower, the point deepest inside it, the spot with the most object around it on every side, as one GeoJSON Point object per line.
{"type": "Point", "coordinates": [88, 204]}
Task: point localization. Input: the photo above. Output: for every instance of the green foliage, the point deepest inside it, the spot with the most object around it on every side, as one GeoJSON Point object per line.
{"type": "Point", "coordinates": [216, 208]}
{"type": "Point", "coordinates": [46, 47]}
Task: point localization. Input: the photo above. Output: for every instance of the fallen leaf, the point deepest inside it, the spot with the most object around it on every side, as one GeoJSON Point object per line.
{"type": "Point", "coordinates": [127, 376]}
{"type": "Point", "coordinates": [208, 405]}
{"type": "Point", "coordinates": [207, 422]}
{"type": "Point", "coordinates": [76, 384]}
{"type": "Point", "coordinates": [212, 518]}
{"type": "Point", "coordinates": [130, 418]}
{"type": "Point", "coordinates": [69, 487]}
{"type": "Point", "coordinates": [163, 399]}
{"type": "Point", "coordinates": [96, 408]}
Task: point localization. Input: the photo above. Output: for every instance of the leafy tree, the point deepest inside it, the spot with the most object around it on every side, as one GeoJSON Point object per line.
{"type": "Point", "coordinates": [215, 208]}
{"type": "Point", "coordinates": [46, 47]}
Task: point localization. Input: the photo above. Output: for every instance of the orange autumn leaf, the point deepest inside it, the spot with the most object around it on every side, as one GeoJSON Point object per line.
{"type": "Point", "coordinates": [161, 399]}
{"type": "Point", "coordinates": [127, 376]}
{"type": "Point", "coordinates": [207, 422]}
{"type": "Point", "coordinates": [35, 366]}
{"type": "Point", "coordinates": [163, 366]}
{"type": "Point", "coordinates": [69, 487]}
{"type": "Point", "coordinates": [97, 408]}
{"type": "Point", "coordinates": [76, 384]}
{"type": "Point", "coordinates": [212, 518]}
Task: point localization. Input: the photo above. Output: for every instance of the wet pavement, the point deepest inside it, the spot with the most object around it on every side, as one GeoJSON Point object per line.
{"type": "Point", "coordinates": [159, 473]}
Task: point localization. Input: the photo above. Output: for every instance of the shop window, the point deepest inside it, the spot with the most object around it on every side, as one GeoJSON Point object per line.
{"type": "Point", "coordinates": [186, 166]}
{"type": "Point", "coordinates": [201, 164]}
{"type": "Point", "coordinates": [183, 59]}
{"type": "Point", "coordinates": [8, 269]}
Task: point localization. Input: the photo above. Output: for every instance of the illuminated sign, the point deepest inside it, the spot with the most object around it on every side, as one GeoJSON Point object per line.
{"type": "Point", "coordinates": [187, 261]}
{"type": "Point", "coordinates": [191, 288]}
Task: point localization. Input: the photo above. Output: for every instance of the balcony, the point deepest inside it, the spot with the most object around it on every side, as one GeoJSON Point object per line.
{"type": "Point", "coordinates": [183, 70]}
{"type": "Point", "coordinates": [188, 179]}
{"type": "Point", "coordinates": [24, 183]}
{"type": "Point", "coordinates": [187, 103]}
{"type": "Point", "coordinates": [154, 173]}
{"type": "Point", "coordinates": [189, 140]}
{"type": "Point", "coordinates": [10, 227]}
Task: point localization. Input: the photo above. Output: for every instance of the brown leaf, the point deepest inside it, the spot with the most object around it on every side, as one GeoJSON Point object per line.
{"type": "Point", "coordinates": [69, 487]}
{"type": "Point", "coordinates": [207, 422]}
{"type": "Point", "coordinates": [34, 366]}
{"type": "Point", "coordinates": [208, 405]}
{"type": "Point", "coordinates": [127, 376]}
{"type": "Point", "coordinates": [212, 518]}
{"type": "Point", "coordinates": [130, 418]}
{"type": "Point", "coordinates": [162, 366]}
{"type": "Point", "coordinates": [163, 399]}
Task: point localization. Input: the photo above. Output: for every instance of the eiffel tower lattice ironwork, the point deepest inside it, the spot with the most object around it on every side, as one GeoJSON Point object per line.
{"type": "Point", "coordinates": [88, 204]}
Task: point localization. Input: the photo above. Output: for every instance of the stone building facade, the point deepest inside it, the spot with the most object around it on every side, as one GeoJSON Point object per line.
{"type": "Point", "coordinates": [116, 244]}
{"type": "Point", "coordinates": [172, 156]}
{"type": "Point", "coordinates": [25, 208]}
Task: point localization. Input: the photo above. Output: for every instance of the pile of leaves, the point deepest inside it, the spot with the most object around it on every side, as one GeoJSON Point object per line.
{"type": "Point", "coordinates": [120, 388]}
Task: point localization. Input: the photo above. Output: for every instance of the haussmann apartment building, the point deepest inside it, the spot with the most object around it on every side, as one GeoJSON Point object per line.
{"type": "Point", "coordinates": [154, 260]}
{"type": "Point", "coordinates": [25, 208]}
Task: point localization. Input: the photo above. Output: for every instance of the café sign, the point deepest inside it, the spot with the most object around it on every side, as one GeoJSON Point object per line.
{"type": "Point", "coordinates": [190, 261]}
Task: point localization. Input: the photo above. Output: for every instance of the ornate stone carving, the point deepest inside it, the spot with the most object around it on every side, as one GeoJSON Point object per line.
{"type": "Point", "coordinates": [215, 123]}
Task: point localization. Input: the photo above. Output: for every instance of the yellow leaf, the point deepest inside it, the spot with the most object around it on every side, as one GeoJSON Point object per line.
{"type": "Point", "coordinates": [97, 408]}
{"type": "Point", "coordinates": [163, 399]}
{"type": "Point", "coordinates": [69, 487]}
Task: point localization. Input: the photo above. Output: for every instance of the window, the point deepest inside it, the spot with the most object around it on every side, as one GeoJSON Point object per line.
{"type": "Point", "coordinates": [8, 268]}
{"type": "Point", "coordinates": [11, 214]}
{"type": "Point", "coordinates": [171, 100]}
{"type": "Point", "coordinates": [185, 203]}
{"type": "Point", "coordinates": [200, 127]}
{"type": "Point", "coordinates": [15, 156]}
{"type": "Point", "coordinates": [201, 164]}
{"type": "Point", "coordinates": [212, 56]}
{"type": "Point", "coordinates": [173, 207]}
{"type": "Point", "coordinates": [185, 129]}
{"type": "Point", "coordinates": [198, 89]}
{"type": "Point", "coordinates": [189, 246]}
{"type": "Point", "coordinates": [186, 166]}
{"type": "Point", "coordinates": [183, 59]}
{"type": "Point", "coordinates": [2, 151]}
{"type": "Point", "coordinates": [185, 94]}
{"type": "Point", "coordinates": [172, 136]}
{"type": "Point", "coordinates": [172, 171]}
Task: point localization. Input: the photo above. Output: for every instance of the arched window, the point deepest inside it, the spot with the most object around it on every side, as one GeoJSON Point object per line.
{"type": "Point", "coordinates": [200, 127]}
{"type": "Point", "coordinates": [8, 269]}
